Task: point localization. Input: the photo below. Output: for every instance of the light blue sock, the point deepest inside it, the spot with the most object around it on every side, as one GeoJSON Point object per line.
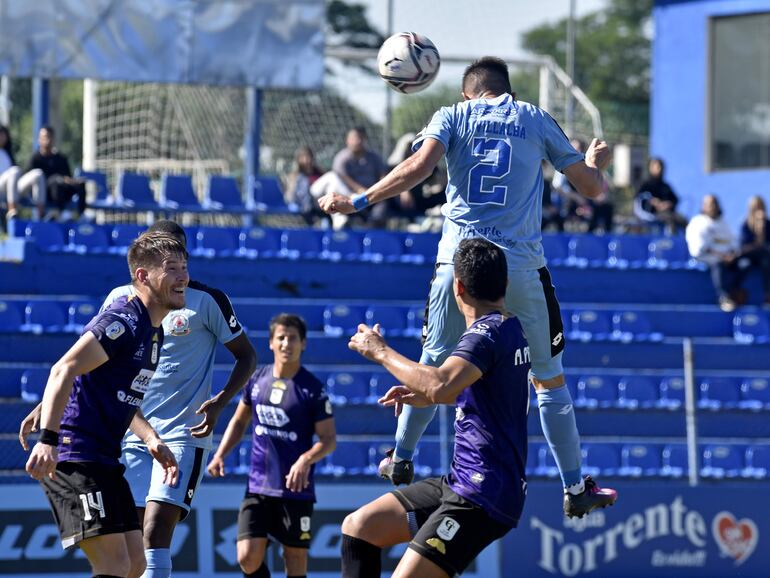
{"type": "Point", "coordinates": [557, 418]}
{"type": "Point", "coordinates": [411, 425]}
{"type": "Point", "coordinates": [158, 563]}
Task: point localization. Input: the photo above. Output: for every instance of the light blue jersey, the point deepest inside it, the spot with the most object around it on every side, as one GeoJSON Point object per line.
{"type": "Point", "coordinates": [182, 381]}
{"type": "Point", "coordinates": [494, 148]}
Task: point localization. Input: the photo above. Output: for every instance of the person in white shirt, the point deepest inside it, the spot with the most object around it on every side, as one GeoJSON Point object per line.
{"type": "Point", "coordinates": [711, 241]}
{"type": "Point", "coordinates": [13, 183]}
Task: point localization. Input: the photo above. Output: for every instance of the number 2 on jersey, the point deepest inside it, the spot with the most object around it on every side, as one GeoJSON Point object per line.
{"type": "Point", "coordinates": [483, 178]}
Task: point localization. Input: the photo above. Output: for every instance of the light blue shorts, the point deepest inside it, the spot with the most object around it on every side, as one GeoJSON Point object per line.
{"type": "Point", "coordinates": [530, 297]}
{"type": "Point", "coordinates": [145, 475]}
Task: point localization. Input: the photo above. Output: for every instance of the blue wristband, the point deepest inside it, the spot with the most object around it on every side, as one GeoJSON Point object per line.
{"type": "Point", "coordinates": [360, 202]}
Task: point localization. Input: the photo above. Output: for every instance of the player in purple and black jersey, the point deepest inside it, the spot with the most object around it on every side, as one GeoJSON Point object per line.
{"type": "Point", "coordinates": [92, 397]}
{"type": "Point", "coordinates": [287, 406]}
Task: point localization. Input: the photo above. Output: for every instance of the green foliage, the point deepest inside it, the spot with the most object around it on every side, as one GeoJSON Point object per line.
{"type": "Point", "coordinates": [70, 137]}
{"type": "Point", "coordinates": [348, 26]}
{"type": "Point", "coordinates": [414, 111]}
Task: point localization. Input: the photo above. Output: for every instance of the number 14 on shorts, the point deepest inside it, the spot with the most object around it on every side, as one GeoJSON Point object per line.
{"type": "Point", "coordinates": [92, 501]}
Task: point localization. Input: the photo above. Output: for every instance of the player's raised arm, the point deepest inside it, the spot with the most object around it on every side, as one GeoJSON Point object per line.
{"type": "Point", "coordinates": [586, 176]}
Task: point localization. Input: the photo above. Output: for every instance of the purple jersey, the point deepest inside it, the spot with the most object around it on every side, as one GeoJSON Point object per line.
{"type": "Point", "coordinates": [104, 401]}
{"type": "Point", "coordinates": [284, 413]}
{"type": "Point", "coordinates": [491, 419]}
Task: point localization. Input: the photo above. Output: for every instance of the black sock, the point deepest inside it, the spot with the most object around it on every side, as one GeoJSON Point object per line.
{"type": "Point", "coordinates": [105, 576]}
{"type": "Point", "coordinates": [360, 559]}
{"type": "Point", "coordinates": [261, 572]}
{"type": "Point", "coordinates": [297, 576]}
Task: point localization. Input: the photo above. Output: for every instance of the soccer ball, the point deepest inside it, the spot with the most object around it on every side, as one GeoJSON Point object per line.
{"type": "Point", "coordinates": [408, 62]}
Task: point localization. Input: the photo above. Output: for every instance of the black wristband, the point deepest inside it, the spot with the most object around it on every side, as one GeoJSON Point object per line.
{"type": "Point", "coordinates": [49, 437]}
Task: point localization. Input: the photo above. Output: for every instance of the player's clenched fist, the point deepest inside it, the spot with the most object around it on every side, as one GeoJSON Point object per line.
{"type": "Point", "coordinates": [598, 155]}
{"type": "Point", "coordinates": [335, 203]}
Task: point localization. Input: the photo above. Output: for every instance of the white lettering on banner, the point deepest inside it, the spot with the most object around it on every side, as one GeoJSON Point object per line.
{"type": "Point", "coordinates": [595, 520]}
{"type": "Point", "coordinates": [656, 521]}
{"type": "Point", "coordinates": [681, 558]}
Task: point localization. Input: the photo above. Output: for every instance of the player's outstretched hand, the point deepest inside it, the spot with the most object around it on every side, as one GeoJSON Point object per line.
{"type": "Point", "coordinates": [211, 408]}
{"type": "Point", "coordinates": [398, 395]}
{"type": "Point", "coordinates": [30, 424]}
{"type": "Point", "coordinates": [298, 477]}
{"type": "Point", "coordinates": [42, 461]}
{"type": "Point", "coordinates": [368, 341]}
{"type": "Point", "coordinates": [165, 457]}
{"type": "Point", "coordinates": [335, 203]}
{"type": "Point", "coordinates": [216, 467]}
{"type": "Point", "coordinates": [598, 155]}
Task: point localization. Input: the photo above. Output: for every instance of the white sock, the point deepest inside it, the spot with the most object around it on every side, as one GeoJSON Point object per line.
{"type": "Point", "coordinates": [576, 489]}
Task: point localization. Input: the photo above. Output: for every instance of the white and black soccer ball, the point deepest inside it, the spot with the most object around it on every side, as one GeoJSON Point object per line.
{"type": "Point", "coordinates": [408, 62]}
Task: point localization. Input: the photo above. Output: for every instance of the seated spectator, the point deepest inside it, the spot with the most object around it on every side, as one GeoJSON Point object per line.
{"type": "Point", "coordinates": [61, 187]}
{"type": "Point", "coordinates": [304, 173]}
{"type": "Point", "coordinates": [656, 201]}
{"type": "Point", "coordinates": [551, 218]}
{"type": "Point", "coordinates": [755, 241]}
{"type": "Point", "coordinates": [413, 203]}
{"type": "Point", "coordinates": [359, 168]}
{"type": "Point", "coordinates": [711, 241]}
{"type": "Point", "coordinates": [13, 183]}
{"type": "Point", "coordinates": [576, 211]}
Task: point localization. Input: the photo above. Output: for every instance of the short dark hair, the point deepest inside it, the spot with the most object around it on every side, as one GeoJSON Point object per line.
{"type": "Point", "coordinates": [487, 73]}
{"type": "Point", "coordinates": [170, 227]}
{"type": "Point", "coordinates": [482, 268]}
{"type": "Point", "coordinates": [151, 249]}
{"type": "Point", "coordinates": [361, 130]}
{"type": "Point", "coordinates": [49, 129]}
{"type": "Point", "coordinates": [289, 320]}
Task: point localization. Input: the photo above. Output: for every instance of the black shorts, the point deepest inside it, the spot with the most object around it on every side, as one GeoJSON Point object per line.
{"type": "Point", "coordinates": [287, 521]}
{"type": "Point", "coordinates": [90, 499]}
{"type": "Point", "coordinates": [446, 528]}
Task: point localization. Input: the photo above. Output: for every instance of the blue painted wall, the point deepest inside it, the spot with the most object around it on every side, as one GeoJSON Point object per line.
{"type": "Point", "coordinates": [680, 100]}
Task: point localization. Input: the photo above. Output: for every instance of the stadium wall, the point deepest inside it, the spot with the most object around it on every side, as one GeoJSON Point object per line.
{"type": "Point", "coordinates": [680, 105]}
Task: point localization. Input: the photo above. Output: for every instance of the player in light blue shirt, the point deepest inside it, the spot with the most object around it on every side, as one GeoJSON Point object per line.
{"type": "Point", "coordinates": [179, 405]}
{"type": "Point", "coordinates": [494, 146]}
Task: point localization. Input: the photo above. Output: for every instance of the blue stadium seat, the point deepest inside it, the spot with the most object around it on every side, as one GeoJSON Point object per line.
{"type": "Point", "coordinates": [415, 318]}
{"type": "Point", "coordinates": [103, 198]}
{"type": "Point", "coordinates": [590, 325]}
{"type": "Point", "coordinates": [33, 383]}
{"type": "Point", "coordinates": [757, 462]}
{"type": "Point", "coordinates": [722, 461]}
{"type": "Point", "coordinates": [381, 383]}
{"type": "Point", "coordinates": [555, 248]}
{"type": "Point", "coordinates": [755, 393]}
{"type": "Point", "coordinates": [268, 195]}
{"type": "Point", "coordinates": [596, 391]}
{"type": "Point", "coordinates": [629, 252]}
{"type": "Point", "coordinates": [427, 459]}
{"type": "Point", "coordinates": [342, 246]}
{"type": "Point", "coordinates": [350, 458]}
{"type": "Point", "coordinates": [342, 320]}
{"type": "Point", "coordinates": [123, 236]}
{"type": "Point", "coordinates": [587, 251]}
{"type": "Point", "coordinates": [421, 247]}
{"type": "Point", "coordinates": [671, 393]}
{"type": "Point", "coordinates": [302, 243]}
{"type": "Point", "coordinates": [600, 459]}
{"type": "Point", "coordinates": [135, 192]}
{"type": "Point", "coordinates": [639, 460]}
{"type": "Point", "coordinates": [243, 451]}
{"type": "Point", "coordinates": [383, 246]}
{"type": "Point", "coordinates": [223, 194]}
{"type": "Point", "coordinates": [637, 391]}
{"type": "Point", "coordinates": [12, 456]}
{"type": "Point", "coordinates": [10, 382]}
{"type": "Point", "coordinates": [44, 317]}
{"type": "Point", "coordinates": [669, 253]}
{"type": "Point", "coordinates": [391, 319]}
{"type": "Point", "coordinates": [258, 242]}
{"type": "Point", "coordinates": [88, 238]}
{"type": "Point", "coordinates": [718, 393]}
{"type": "Point", "coordinates": [46, 236]}
{"type": "Point", "coordinates": [348, 387]}
{"type": "Point", "coordinates": [11, 318]}
{"type": "Point", "coordinates": [630, 326]}
{"type": "Point", "coordinates": [750, 327]}
{"type": "Point", "coordinates": [675, 464]}
{"type": "Point", "coordinates": [257, 316]}
{"type": "Point", "coordinates": [216, 242]}
{"type": "Point", "coordinates": [177, 193]}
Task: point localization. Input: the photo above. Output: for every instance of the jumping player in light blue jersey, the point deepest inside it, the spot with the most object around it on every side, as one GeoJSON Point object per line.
{"type": "Point", "coordinates": [494, 145]}
{"type": "Point", "coordinates": [179, 405]}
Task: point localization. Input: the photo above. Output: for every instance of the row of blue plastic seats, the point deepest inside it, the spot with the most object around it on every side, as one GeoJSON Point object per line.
{"type": "Point", "coordinates": [716, 461]}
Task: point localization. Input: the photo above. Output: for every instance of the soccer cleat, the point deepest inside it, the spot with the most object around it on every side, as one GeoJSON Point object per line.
{"type": "Point", "coordinates": [591, 498]}
{"type": "Point", "coordinates": [397, 472]}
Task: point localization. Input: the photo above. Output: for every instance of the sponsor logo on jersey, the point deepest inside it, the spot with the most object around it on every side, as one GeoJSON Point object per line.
{"type": "Point", "coordinates": [115, 330]}
{"type": "Point", "coordinates": [129, 399]}
{"type": "Point", "coordinates": [142, 380]}
{"type": "Point", "coordinates": [447, 529]}
{"type": "Point", "coordinates": [276, 396]}
{"type": "Point", "coordinates": [477, 478]}
{"type": "Point", "coordinates": [139, 353]}
{"type": "Point", "coordinates": [180, 324]}
{"type": "Point", "coordinates": [130, 319]}
{"type": "Point", "coordinates": [154, 355]}
{"type": "Point", "coordinates": [272, 416]}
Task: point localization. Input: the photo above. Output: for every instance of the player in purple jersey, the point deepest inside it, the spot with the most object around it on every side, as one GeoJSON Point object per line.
{"type": "Point", "coordinates": [450, 520]}
{"type": "Point", "coordinates": [92, 397]}
{"type": "Point", "coordinates": [287, 406]}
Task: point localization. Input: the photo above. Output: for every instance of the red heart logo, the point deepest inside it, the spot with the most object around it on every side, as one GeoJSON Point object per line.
{"type": "Point", "coordinates": [735, 538]}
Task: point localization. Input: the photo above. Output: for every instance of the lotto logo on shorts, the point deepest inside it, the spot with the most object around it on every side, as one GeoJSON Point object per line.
{"type": "Point", "coordinates": [447, 529]}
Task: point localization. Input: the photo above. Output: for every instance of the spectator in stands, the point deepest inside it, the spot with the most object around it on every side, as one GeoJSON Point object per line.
{"type": "Point", "coordinates": [711, 241]}
{"type": "Point", "coordinates": [414, 202]}
{"type": "Point", "coordinates": [61, 187]}
{"type": "Point", "coordinates": [575, 209]}
{"type": "Point", "coordinates": [755, 241]}
{"type": "Point", "coordinates": [13, 183]}
{"type": "Point", "coordinates": [656, 201]}
{"type": "Point", "coordinates": [552, 217]}
{"type": "Point", "coordinates": [304, 173]}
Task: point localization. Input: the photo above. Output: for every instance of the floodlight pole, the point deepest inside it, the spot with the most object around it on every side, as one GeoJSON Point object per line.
{"type": "Point", "coordinates": [251, 139]}
{"type": "Point", "coordinates": [5, 100]}
{"type": "Point", "coordinates": [570, 104]}
{"type": "Point", "coordinates": [386, 136]}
